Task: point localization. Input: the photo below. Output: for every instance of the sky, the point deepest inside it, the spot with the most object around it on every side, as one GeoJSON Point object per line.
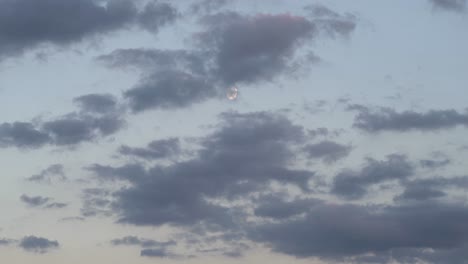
{"type": "Point", "coordinates": [242, 131]}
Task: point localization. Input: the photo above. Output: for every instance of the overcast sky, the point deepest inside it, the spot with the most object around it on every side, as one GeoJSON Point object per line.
{"type": "Point", "coordinates": [233, 131]}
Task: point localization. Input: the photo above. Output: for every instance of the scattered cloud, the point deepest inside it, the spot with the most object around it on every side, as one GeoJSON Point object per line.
{"type": "Point", "coordinates": [387, 119]}
{"type": "Point", "coordinates": [38, 244]}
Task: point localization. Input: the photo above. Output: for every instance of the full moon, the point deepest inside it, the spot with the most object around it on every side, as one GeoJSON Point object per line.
{"type": "Point", "coordinates": [232, 93]}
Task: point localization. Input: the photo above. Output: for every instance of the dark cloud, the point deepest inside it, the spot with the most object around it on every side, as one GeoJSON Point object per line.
{"type": "Point", "coordinates": [152, 60]}
{"type": "Point", "coordinates": [56, 205]}
{"type": "Point", "coordinates": [97, 103]}
{"type": "Point", "coordinates": [246, 153]}
{"type": "Point", "coordinates": [354, 184]}
{"type": "Point", "coordinates": [72, 219]}
{"type": "Point", "coordinates": [450, 5]}
{"type": "Point", "coordinates": [157, 253]}
{"type": "Point", "coordinates": [67, 130]}
{"type": "Point", "coordinates": [231, 48]}
{"type": "Point", "coordinates": [431, 188]}
{"type": "Point", "coordinates": [42, 202]}
{"type": "Point", "coordinates": [325, 132]}
{"type": "Point", "coordinates": [73, 129]}
{"type": "Point", "coordinates": [22, 135]}
{"type": "Point", "coordinates": [387, 119]}
{"type": "Point", "coordinates": [256, 48]}
{"type": "Point", "coordinates": [157, 149]}
{"type": "Point", "coordinates": [96, 202]}
{"type": "Point", "coordinates": [156, 14]}
{"type": "Point", "coordinates": [169, 90]}
{"type": "Point", "coordinates": [434, 164]}
{"type": "Point", "coordinates": [146, 243]}
{"type": "Point", "coordinates": [6, 242]}
{"type": "Point", "coordinates": [327, 151]}
{"type": "Point", "coordinates": [27, 24]}
{"type": "Point", "coordinates": [207, 6]}
{"type": "Point", "coordinates": [346, 232]}
{"type": "Point", "coordinates": [38, 244]}
{"type": "Point", "coordinates": [275, 207]}
{"type": "Point", "coordinates": [34, 201]}
{"type": "Point", "coordinates": [53, 173]}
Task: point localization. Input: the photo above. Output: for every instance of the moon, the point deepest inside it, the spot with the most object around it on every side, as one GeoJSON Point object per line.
{"type": "Point", "coordinates": [232, 93]}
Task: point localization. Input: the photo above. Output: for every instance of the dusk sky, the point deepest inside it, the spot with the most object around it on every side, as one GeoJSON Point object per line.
{"type": "Point", "coordinates": [233, 131]}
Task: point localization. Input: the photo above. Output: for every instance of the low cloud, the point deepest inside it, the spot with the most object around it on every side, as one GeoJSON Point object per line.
{"type": "Point", "coordinates": [38, 244]}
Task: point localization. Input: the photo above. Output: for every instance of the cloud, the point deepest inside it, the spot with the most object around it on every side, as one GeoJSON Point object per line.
{"type": "Point", "coordinates": [246, 153]}
{"type": "Point", "coordinates": [430, 188]}
{"type": "Point", "coordinates": [275, 207]}
{"type": "Point", "coordinates": [146, 243]}
{"type": "Point", "coordinates": [348, 232]}
{"type": "Point", "coordinates": [353, 184]}
{"type": "Point", "coordinates": [38, 244]}
{"type": "Point", "coordinates": [28, 24]}
{"type": "Point", "coordinates": [387, 119]}
{"type": "Point", "coordinates": [157, 253]}
{"type": "Point", "coordinates": [327, 151]}
{"type": "Point", "coordinates": [53, 173]}
{"type": "Point", "coordinates": [73, 129]}
{"type": "Point", "coordinates": [434, 164]}
{"type": "Point", "coordinates": [97, 103]}
{"type": "Point", "coordinates": [67, 130]}
{"type": "Point", "coordinates": [231, 48]}
{"type": "Point", "coordinates": [207, 6]}
{"type": "Point", "coordinates": [34, 201]}
{"type": "Point", "coordinates": [40, 201]}
{"type": "Point", "coordinates": [157, 149]}
{"type": "Point", "coordinates": [22, 135]}
{"type": "Point", "coordinates": [248, 49]}
{"type": "Point", "coordinates": [155, 15]}
{"type": "Point", "coordinates": [450, 5]}
{"type": "Point", "coordinates": [6, 242]}
{"type": "Point", "coordinates": [56, 205]}
{"type": "Point", "coordinates": [169, 90]}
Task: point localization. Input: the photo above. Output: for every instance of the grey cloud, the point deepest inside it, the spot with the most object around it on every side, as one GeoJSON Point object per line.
{"type": "Point", "coordinates": [70, 129]}
{"type": "Point", "coordinates": [146, 243]}
{"type": "Point", "coordinates": [96, 202]}
{"type": "Point", "coordinates": [271, 40]}
{"type": "Point", "coordinates": [157, 253]}
{"type": "Point", "coordinates": [450, 5]}
{"type": "Point", "coordinates": [434, 164]}
{"type": "Point", "coordinates": [207, 6]}
{"type": "Point", "coordinates": [97, 103]}
{"type": "Point", "coordinates": [73, 129]}
{"type": "Point", "coordinates": [42, 202]}
{"type": "Point", "coordinates": [246, 153]}
{"type": "Point", "coordinates": [169, 90]}
{"type": "Point", "coordinates": [324, 132]}
{"type": "Point", "coordinates": [277, 208]}
{"type": "Point", "coordinates": [328, 151]}
{"type": "Point", "coordinates": [56, 205]}
{"type": "Point", "coordinates": [27, 24]}
{"type": "Point", "coordinates": [158, 149]}
{"type": "Point", "coordinates": [53, 173]}
{"type": "Point", "coordinates": [34, 201]}
{"type": "Point", "coordinates": [354, 184]}
{"type": "Point", "coordinates": [180, 78]}
{"type": "Point", "coordinates": [155, 15]}
{"type": "Point", "coordinates": [345, 233]}
{"type": "Point", "coordinates": [38, 244]}
{"type": "Point", "coordinates": [387, 119]}
{"type": "Point", "coordinates": [6, 242]}
{"type": "Point", "coordinates": [152, 60]}
{"type": "Point", "coordinates": [431, 188]}
{"type": "Point", "coordinates": [72, 219]}
{"type": "Point", "coordinates": [22, 135]}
